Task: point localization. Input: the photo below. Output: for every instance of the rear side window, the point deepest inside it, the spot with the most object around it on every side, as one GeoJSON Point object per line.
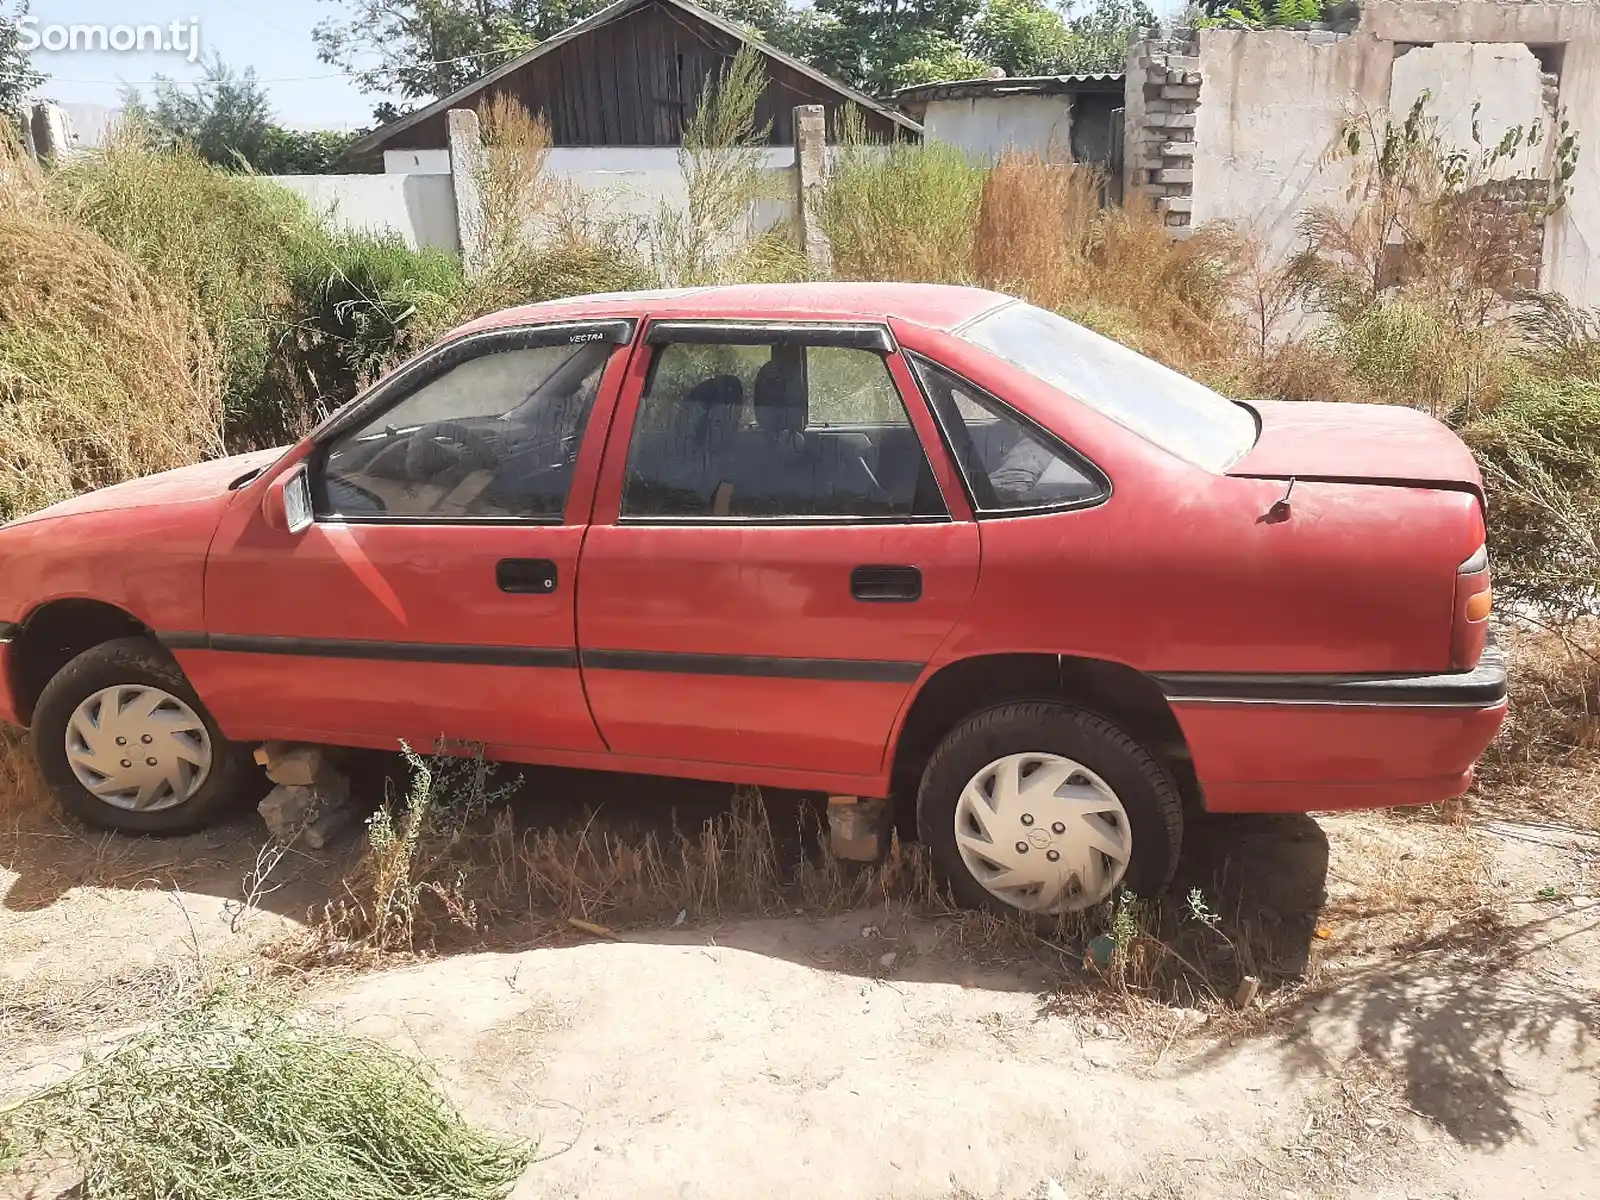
{"type": "Point", "coordinates": [1009, 465]}
{"type": "Point", "coordinates": [773, 432]}
{"type": "Point", "coordinates": [1181, 416]}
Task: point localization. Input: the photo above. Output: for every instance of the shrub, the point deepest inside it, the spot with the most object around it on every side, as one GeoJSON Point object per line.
{"type": "Point", "coordinates": [105, 374]}
{"type": "Point", "coordinates": [902, 211]}
{"type": "Point", "coordinates": [355, 303]}
{"type": "Point", "coordinates": [217, 243]}
{"type": "Point", "coordinates": [1540, 454]}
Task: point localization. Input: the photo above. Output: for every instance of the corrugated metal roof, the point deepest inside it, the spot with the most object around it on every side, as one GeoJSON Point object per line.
{"type": "Point", "coordinates": [1021, 85]}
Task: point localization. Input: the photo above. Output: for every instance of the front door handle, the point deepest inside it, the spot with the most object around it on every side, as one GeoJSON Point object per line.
{"type": "Point", "coordinates": [886, 584]}
{"type": "Point", "coordinates": [531, 576]}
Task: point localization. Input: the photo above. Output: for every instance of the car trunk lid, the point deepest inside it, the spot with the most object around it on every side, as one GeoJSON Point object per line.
{"type": "Point", "coordinates": [1357, 443]}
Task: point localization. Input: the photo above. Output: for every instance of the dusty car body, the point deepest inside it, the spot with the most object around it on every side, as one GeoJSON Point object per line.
{"type": "Point", "coordinates": [865, 539]}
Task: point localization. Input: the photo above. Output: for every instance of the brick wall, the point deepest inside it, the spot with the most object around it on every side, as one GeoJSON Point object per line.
{"type": "Point", "coordinates": [1160, 138]}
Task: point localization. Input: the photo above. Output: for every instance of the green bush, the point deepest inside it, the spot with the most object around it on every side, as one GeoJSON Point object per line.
{"type": "Point", "coordinates": [297, 314]}
{"type": "Point", "coordinates": [352, 306]}
{"type": "Point", "coordinates": [1540, 455]}
{"type": "Point", "coordinates": [906, 212]}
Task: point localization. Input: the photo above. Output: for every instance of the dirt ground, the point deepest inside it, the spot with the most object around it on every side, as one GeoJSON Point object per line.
{"type": "Point", "coordinates": [1428, 1026]}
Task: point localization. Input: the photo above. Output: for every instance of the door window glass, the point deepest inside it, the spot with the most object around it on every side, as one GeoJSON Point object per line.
{"type": "Point", "coordinates": [1009, 465]}
{"type": "Point", "coordinates": [496, 436]}
{"type": "Point", "coordinates": [775, 431]}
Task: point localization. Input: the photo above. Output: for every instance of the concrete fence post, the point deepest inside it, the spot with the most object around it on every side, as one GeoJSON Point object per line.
{"type": "Point", "coordinates": [50, 131]}
{"type": "Point", "coordinates": [810, 171]}
{"type": "Point", "coordinates": [466, 178]}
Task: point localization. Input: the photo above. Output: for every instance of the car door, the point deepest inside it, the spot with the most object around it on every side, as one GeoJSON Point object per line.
{"type": "Point", "coordinates": [774, 556]}
{"type": "Point", "coordinates": [431, 596]}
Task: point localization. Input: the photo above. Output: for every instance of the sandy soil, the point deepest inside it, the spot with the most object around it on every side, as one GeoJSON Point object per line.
{"type": "Point", "coordinates": [791, 1058]}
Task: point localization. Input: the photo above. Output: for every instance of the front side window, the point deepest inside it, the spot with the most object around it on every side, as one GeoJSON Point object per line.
{"type": "Point", "coordinates": [1009, 465]}
{"type": "Point", "coordinates": [774, 432]}
{"type": "Point", "coordinates": [493, 437]}
{"type": "Point", "coordinates": [1181, 416]}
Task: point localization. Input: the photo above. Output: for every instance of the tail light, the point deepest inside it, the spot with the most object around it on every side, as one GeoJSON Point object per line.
{"type": "Point", "coordinates": [1474, 599]}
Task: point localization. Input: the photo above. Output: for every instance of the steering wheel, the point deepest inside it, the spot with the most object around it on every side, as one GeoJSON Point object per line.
{"type": "Point", "coordinates": [443, 446]}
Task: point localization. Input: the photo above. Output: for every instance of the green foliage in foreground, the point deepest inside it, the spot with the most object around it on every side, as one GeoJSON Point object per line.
{"type": "Point", "coordinates": [228, 1100]}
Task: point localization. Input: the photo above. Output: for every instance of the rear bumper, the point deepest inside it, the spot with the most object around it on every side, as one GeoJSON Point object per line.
{"type": "Point", "coordinates": [1311, 743]}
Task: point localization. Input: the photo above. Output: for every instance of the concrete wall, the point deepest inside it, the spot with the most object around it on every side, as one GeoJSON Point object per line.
{"type": "Point", "coordinates": [421, 208]}
{"type": "Point", "coordinates": [416, 196]}
{"type": "Point", "coordinates": [416, 162]}
{"type": "Point", "coordinates": [1503, 81]}
{"type": "Point", "coordinates": [1272, 102]}
{"type": "Point", "coordinates": [985, 126]}
{"type": "Point", "coordinates": [637, 180]}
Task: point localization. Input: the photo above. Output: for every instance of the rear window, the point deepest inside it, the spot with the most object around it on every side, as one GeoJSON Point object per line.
{"type": "Point", "coordinates": [1173, 411]}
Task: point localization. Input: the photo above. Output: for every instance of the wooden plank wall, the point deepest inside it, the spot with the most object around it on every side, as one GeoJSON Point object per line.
{"type": "Point", "coordinates": [633, 82]}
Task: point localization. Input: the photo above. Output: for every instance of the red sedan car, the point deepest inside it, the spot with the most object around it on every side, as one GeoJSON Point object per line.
{"type": "Point", "coordinates": [868, 539]}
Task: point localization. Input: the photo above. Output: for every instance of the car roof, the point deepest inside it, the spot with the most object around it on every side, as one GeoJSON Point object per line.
{"type": "Point", "coordinates": [936, 305]}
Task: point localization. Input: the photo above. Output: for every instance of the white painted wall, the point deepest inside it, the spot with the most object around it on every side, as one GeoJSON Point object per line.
{"type": "Point", "coordinates": [638, 179]}
{"type": "Point", "coordinates": [985, 126]}
{"type": "Point", "coordinates": [416, 162]}
{"type": "Point", "coordinates": [421, 208]}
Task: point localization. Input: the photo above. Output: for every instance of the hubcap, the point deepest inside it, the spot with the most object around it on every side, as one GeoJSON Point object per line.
{"type": "Point", "coordinates": [1043, 833]}
{"type": "Point", "coordinates": [138, 747]}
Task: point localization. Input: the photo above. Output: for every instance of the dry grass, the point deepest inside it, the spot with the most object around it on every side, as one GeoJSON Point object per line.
{"type": "Point", "coordinates": [231, 1098]}
{"type": "Point", "coordinates": [22, 791]}
{"type": "Point", "coordinates": [104, 374]}
{"type": "Point", "coordinates": [1041, 233]}
{"type": "Point", "coordinates": [1544, 766]}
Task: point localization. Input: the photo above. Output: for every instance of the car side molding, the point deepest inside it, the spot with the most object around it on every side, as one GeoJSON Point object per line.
{"type": "Point", "coordinates": [1480, 687]}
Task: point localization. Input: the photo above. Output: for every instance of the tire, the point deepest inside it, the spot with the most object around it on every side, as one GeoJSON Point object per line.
{"type": "Point", "coordinates": [1033, 735]}
{"type": "Point", "coordinates": [134, 663]}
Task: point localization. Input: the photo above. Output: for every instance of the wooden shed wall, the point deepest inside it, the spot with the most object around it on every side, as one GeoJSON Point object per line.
{"type": "Point", "coordinates": [633, 82]}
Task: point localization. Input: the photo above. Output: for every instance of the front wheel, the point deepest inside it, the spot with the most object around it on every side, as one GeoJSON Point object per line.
{"type": "Point", "coordinates": [125, 744]}
{"type": "Point", "coordinates": [1041, 808]}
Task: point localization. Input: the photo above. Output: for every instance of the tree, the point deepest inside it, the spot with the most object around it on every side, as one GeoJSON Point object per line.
{"type": "Point", "coordinates": [885, 44]}
{"type": "Point", "coordinates": [871, 43]}
{"type": "Point", "coordinates": [17, 76]}
{"type": "Point", "coordinates": [1099, 39]}
{"type": "Point", "coordinates": [1022, 37]}
{"type": "Point", "coordinates": [423, 50]}
{"type": "Point", "coordinates": [227, 118]}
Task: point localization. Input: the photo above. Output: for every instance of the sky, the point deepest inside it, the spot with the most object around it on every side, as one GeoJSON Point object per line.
{"type": "Point", "coordinates": [272, 37]}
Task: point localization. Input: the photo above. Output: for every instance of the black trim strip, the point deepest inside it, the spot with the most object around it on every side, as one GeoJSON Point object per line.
{"type": "Point", "coordinates": [434, 652]}
{"type": "Point", "coordinates": [854, 670]}
{"type": "Point", "coordinates": [183, 640]}
{"type": "Point", "coordinates": [736, 665]}
{"type": "Point", "coordinates": [1481, 687]}
{"type": "Point", "coordinates": [849, 335]}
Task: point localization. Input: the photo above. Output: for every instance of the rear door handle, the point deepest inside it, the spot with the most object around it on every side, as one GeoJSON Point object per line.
{"type": "Point", "coordinates": [532, 576]}
{"type": "Point", "coordinates": [886, 584]}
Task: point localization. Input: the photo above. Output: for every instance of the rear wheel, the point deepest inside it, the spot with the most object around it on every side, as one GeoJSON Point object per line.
{"type": "Point", "coordinates": [125, 744]}
{"type": "Point", "coordinates": [1041, 808]}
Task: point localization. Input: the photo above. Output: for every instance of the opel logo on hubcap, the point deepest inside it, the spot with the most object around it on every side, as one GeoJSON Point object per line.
{"type": "Point", "coordinates": [1039, 838]}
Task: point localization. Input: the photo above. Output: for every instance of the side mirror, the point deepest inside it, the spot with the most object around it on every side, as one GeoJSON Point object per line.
{"type": "Point", "coordinates": [287, 504]}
